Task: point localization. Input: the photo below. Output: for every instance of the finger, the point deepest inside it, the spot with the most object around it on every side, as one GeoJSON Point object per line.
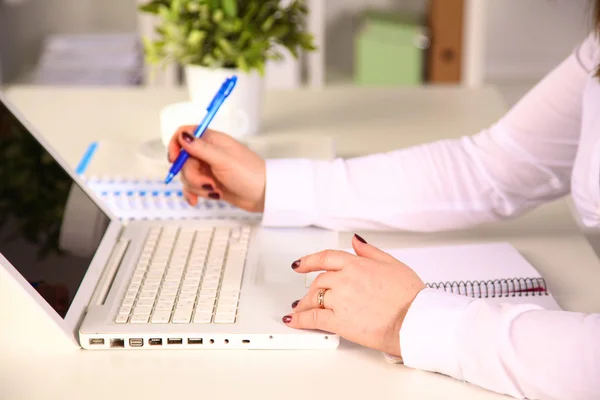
{"type": "Point", "coordinates": [190, 197]}
{"type": "Point", "coordinates": [197, 176]}
{"type": "Point", "coordinates": [202, 149]}
{"type": "Point", "coordinates": [174, 147]}
{"type": "Point", "coordinates": [312, 319]}
{"type": "Point", "coordinates": [311, 300]}
{"type": "Point", "coordinates": [327, 260]}
{"type": "Point", "coordinates": [363, 249]}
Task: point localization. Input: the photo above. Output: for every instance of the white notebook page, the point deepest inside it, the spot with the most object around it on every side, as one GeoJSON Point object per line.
{"type": "Point", "coordinates": [493, 262]}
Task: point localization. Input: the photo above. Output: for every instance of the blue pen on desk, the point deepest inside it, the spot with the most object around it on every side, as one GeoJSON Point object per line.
{"type": "Point", "coordinates": [212, 109]}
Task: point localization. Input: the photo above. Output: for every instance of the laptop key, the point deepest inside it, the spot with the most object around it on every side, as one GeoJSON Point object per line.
{"type": "Point", "coordinates": [224, 318]}
{"type": "Point", "coordinates": [202, 317]}
{"type": "Point", "coordinates": [161, 317]}
{"type": "Point", "coordinates": [182, 316]}
{"type": "Point", "coordinates": [139, 319]}
{"type": "Point", "coordinates": [142, 310]}
{"type": "Point", "coordinates": [121, 319]}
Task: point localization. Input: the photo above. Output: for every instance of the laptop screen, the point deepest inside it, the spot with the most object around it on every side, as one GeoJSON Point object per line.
{"type": "Point", "coordinates": [49, 228]}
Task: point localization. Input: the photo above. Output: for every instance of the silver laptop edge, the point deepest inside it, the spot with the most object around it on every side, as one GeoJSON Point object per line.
{"type": "Point", "coordinates": [91, 281]}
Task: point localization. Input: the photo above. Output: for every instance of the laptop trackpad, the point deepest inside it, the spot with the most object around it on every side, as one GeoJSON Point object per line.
{"type": "Point", "coordinates": [279, 248]}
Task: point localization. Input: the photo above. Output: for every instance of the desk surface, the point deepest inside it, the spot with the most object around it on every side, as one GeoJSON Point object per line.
{"type": "Point", "coordinates": [71, 118]}
{"type": "Point", "coordinates": [361, 120]}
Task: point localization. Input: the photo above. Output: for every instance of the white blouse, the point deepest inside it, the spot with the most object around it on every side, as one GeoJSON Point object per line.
{"type": "Point", "coordinates": [544, 148]}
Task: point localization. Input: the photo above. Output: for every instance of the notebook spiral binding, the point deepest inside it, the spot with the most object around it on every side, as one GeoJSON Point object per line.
{"type": "Point", "coordinates": [517, 287]}
{"type": "Point", "coordinates": [150, 199]}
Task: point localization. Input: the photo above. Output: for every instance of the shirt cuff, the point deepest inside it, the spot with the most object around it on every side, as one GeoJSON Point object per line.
{"type": "Point", "coordinates": [289, 194]}
{"type": "Point", "coordinates": [430, 333]}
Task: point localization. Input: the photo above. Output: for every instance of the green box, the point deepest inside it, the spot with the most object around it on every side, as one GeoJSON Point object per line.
{"type": "Point", "coordinates": [389, 50]}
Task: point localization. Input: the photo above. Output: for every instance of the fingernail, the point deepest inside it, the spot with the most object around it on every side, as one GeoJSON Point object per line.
{"type": "Point", "coordinates": [287, 319]}
{"type": "Point", "coordinates": [360, 239]}
{"type": "Point", "coordinates": [214, 196]}
{"type": "Point", "coordinates": [295, 264]}
{"type": "Point", "coordinates": [187, 137]}
{"type": "Point", "coordinates": [295, 304]}
{"type": "Point", "coordinates": [208, 187]}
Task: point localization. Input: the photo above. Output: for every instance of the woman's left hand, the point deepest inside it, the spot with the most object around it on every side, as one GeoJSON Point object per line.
{"type": "Point", "coordinates": [366, 296]}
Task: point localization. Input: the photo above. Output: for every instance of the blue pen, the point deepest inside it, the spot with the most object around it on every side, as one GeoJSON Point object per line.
{"type": "Point", "coordinates": [212, 109]}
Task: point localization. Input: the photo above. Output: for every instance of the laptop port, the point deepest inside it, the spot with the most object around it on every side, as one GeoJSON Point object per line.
{"type": "Point", "coordinates": [174, 341]}
{"type": "Point", "coordinates": [245, 341]}
{"type": "Point", "coordinates": [96, 341]}
{"type": "Point", "coordinates": [117, 343]}
{"type": "Point", "coordinates": [136, 342]}
{"type": "Point", "coordinates": [194, 341]}
{"type": "Point", "coordinates": [155, 342]}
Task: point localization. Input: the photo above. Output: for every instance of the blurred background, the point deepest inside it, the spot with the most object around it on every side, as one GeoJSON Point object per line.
{"type": "Point", "coordinates": [509, 43]}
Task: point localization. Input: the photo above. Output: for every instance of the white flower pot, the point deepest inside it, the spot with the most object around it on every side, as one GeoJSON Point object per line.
{"type": "Point", "coordinates": [240, 114]}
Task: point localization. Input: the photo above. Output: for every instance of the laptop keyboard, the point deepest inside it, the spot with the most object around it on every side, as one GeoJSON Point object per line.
{"type": "Point", "coordinates": [187, 275]}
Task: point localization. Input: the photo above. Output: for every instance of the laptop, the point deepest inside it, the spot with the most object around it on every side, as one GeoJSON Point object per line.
{"type": "Point", "coordinates": [115, 285]}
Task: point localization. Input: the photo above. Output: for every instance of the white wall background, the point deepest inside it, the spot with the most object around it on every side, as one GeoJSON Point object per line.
{"type": "Point", "coordinates": [525, 38]}
{"type": "Point", "coordinates": [24, 24]}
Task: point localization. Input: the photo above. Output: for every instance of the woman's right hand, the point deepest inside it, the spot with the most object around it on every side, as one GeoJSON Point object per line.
{"type": "Point", "coordinates": [220, 167]}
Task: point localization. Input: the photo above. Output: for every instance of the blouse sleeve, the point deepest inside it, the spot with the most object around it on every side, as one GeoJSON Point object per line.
{"type": "Point", "coordinates": [523, 160]}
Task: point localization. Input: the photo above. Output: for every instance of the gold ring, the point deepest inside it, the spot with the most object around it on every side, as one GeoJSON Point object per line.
{"type": "Point", "coordinates": [321, 298]}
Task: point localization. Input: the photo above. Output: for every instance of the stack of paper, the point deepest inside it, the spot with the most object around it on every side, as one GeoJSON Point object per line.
{"type": "Point", "coordinates": [91, 59]}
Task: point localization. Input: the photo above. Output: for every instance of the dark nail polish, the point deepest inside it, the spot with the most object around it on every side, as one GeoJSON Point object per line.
{"type": "Point", "coordinates": [214, 196]}
{"type": "Point", "coordinates": [187, 137]}
{"type": "Point", "coordinates": [360, 239]}
{"type": "Point", "coordinates": [295, 304]}
{"type": "Point", "coordinates": [295, 264]}
{"type": "Point", "coordinates": [208, 187]}
{"type": "Point", "coordinates": [287, 319]}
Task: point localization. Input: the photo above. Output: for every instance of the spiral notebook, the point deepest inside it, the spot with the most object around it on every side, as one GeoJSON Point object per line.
{"type": "Point", "coordinates": [142, 194]}
{"type": "Point", "coordinates": [495, 271]}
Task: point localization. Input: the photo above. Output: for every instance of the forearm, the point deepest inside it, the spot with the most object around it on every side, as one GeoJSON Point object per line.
{"type": "Point", "coordinates": [522, 351]}
{"type": "Point", "coordinates": [438, 186]}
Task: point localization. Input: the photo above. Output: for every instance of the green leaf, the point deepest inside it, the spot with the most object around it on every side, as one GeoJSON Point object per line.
{"type": "Point", "coordinates": [152, 7]}
{"type": "Point", "coordinates": [218, 16]}
{"type": "Point", "coordinates": [242, 64]}
{"type": "Point", "coordinates": [196, 38]}
{"type": "Point", "coordinates": [230, 8]}
{"type": "Point", "coordinates": [232, 26]}
{"type": "Point", "coordinates": [225, 46]}
{"type": "Point", "coordinates": [268, 23]}
{"type": "Point", "coordinates": [279, 31]}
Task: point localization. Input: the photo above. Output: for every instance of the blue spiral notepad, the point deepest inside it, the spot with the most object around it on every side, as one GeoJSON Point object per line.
{"type": "Point", "coordinates": [143, 195]}
{"type": "Point", "coordinates": [151, 199]}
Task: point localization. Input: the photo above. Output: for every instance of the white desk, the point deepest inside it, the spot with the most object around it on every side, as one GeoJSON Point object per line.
{"type": "Point", "coordinates": [362, 121]}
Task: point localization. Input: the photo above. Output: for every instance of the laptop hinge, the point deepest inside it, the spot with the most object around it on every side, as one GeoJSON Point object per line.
{"type": "Point", "coordinates": [109, 273]}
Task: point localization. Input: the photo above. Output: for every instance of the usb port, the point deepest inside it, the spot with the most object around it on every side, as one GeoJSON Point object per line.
{"type": "Point", "coordinates": [117, 342]}
{"type": "Point", "coordinates": [174, 341]}
{"type": "Point", "coordinates": [136, 342]}
{"type": "Point", "coordinates": [195, 341]}
{"type": "Point", "coordinates": [155, 342]}
{"type": "Point", "coordinates": [96, 341]}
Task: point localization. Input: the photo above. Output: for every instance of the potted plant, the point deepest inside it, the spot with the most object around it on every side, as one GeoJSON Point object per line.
{"type": "Point", "coordinates": [214, 39]}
